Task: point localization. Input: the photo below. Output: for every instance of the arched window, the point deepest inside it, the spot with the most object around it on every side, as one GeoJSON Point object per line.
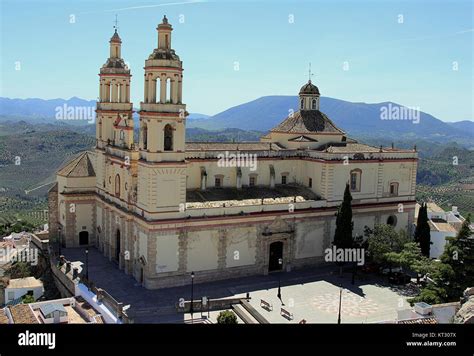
{"type": "Point", "coordinates": [168, 138]}
{"type": "Point", "coordinates": [302, 104]}
{"type": "Point", "coordinates": [313, 104]}
{"type": "Point", "coordinates": [355, 179]}
{"type": "Point", "coordinates": [117, 185]}
{"type": "Point", "coordinates": [100, 129]}
{"type": "Point", "coordinates": [122, 135]}
{"type": "Point", "coordinates": [145, 136]}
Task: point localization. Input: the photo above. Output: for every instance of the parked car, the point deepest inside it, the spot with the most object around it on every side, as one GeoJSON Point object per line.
{"type": "Point", "coordinates": [386, 270]}
{"type": "Point", "coordinates": [369, 268]}
{"type": "Point", "coordinates": [399, 278]}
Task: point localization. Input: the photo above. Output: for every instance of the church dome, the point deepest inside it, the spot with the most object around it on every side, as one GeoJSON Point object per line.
{"type": "Point", "coordinates": [309, 89]}
{"type": "Point", "coordinates": [116, 38]}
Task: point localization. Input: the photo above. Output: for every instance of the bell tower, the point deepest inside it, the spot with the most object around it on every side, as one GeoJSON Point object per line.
{"type": "Point", "coordinates": [114, 123]}
{"type": "Point", "coordinates": [162, 168]}
{"type": "Point", "coordinates": [116, 155]}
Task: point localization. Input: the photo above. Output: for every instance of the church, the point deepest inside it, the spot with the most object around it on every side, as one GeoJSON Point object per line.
{"type": "Point", "coordinates": [162, 207]}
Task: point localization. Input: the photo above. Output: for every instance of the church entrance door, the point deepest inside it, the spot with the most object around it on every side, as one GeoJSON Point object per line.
{"type": "Point", "coordinates": [276, 252]}
{"type": "Point", "coordinates": [84, 238]}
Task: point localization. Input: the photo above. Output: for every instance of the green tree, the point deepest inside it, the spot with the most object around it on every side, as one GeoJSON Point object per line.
{"type": "Point", "coordinates": [20, 270]}
{"type": "Point", "coordinates": [410, 258]}
{"type": "Point", "coordinates": [383, 242]}
{"type": "Point", "coordinates": [459, 255]}
{"type": "Point", "coordinates": [423, 231]}
{"type": "Point", "coordinates": [344, 224]}
{"type": "Point", "coordinates": [27, 298]}
{"type": "Point", "coordinates": [226, 317]}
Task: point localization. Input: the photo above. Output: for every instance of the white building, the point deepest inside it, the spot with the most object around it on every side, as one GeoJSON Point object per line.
{"type": "Point", "coordinates": [443, 224]}
{"type": "Point", "coordinates": [19, 287]}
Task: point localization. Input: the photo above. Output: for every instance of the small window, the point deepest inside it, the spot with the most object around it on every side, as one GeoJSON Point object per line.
{"type": "Point", "coordinates": [117, 185]}
{"type": "Point", "coordinates": [393, 189]}
{"type": "Point", "coordinates": [302, 104]}
{"type": "Point", "coordinates": [313, 104]}
{"type": "Point", "coordinates": [283, 179]}
{"type": "Point", "coordinates": [122, 135]}
{"type": "Point", "coordinates": [252, 181]}
{"type": "Point", "coordinates": [310, 182]}
{"type": "Point", "coordinates": [218, 182]}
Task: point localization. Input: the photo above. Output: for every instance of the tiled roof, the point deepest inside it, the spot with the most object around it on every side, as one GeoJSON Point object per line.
{"type": "Point", "coordinates": [307, 121]}
{"type": "Point", "coordinates": [231, 146]}
{"type": "Point", "coordinates": [27, 282]}
{"type": "Point", "coordinates": [22, 314]}
{"type": "Point", "coordinates": [81, 166]}
{"type": "Point", "coordinates": [351, 147]}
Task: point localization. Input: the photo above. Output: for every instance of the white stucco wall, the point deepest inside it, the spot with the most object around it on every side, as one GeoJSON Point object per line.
{"type": "Point", "coordinates": [241, 246]}
{"type": "Point", "coordinates": [202, 250]}
{"type": "Point", "coordinates": [167, 253]}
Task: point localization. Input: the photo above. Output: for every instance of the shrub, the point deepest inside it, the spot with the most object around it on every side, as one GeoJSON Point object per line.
{"type": "Point", "coordinates": [226, 317]}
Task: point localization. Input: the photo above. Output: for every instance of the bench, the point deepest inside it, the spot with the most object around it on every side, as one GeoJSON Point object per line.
{"type": "Point", "coordinates": [266, 305]}
{"type": "Point", "coordinates": [286, 314]}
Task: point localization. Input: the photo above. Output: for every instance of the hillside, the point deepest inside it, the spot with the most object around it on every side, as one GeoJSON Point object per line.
{"type": "Point", "coordinates": [357, 119]}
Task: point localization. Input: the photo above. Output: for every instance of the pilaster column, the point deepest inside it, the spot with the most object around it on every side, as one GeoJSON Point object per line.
{"type": "Point", "coordinates": [145, 95]}
{"type": "Point", "coordinates": [175, 90]}
{"type": "Point", "coordinates": [114, 92]}
{"type": "Point", "coordinates": [163, 89]}
{"type": "Point", "coordinates": [180, 90]}
{"type": "Point", "coordinates": [150, 90]}
{"type": "Point", "coordinates": [172, 90]}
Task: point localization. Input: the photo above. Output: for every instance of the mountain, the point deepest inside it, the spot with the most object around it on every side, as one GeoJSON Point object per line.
{"type": "Point", "coordinates": [48, 111]}
{"type": "Point", "coordinates": [359, 119]}
{"type": "Point", "coordinates": [39, 108]}
{"type": "Point", "coordinates": [198, 116]}
{"type": "Point", "coordinates": [465, 125]}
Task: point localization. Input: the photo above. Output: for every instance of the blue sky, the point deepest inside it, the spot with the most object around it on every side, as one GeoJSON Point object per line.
{"type": "Point", "coordinates": [410, 63]}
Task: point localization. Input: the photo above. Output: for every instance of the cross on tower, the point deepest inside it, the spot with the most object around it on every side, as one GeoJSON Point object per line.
{"type": "Point", "coordinates": [116, 23]}
{"type": "Point", "coordinates": [309, 73]}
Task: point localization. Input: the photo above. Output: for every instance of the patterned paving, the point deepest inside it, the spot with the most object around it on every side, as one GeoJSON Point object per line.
{"type": "Point", "coordinates": [351, 305]}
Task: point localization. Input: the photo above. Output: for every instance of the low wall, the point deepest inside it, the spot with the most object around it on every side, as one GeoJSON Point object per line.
{"type": "Point", "coordinates": [213, 304]}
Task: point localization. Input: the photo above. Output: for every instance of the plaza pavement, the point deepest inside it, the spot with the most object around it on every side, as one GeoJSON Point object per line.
{"type": "Point", "coordinates": [311, 294]}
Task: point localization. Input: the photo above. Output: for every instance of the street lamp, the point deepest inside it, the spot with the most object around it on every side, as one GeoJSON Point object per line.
{"type": "Point", "coordinates": [192, 296]}
{"type": "Point", "coordinates": [87, 265]}
{"type": "Point", "coordinates": [340, 301]}
{"type": "Point", "coordinates": [59, 241]}
{"type": "Point", "coordinates": [280, 263]}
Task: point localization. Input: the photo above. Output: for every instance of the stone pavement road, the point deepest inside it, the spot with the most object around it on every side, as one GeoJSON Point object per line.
{"type": "Point", "coordinates": [311, 294]}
